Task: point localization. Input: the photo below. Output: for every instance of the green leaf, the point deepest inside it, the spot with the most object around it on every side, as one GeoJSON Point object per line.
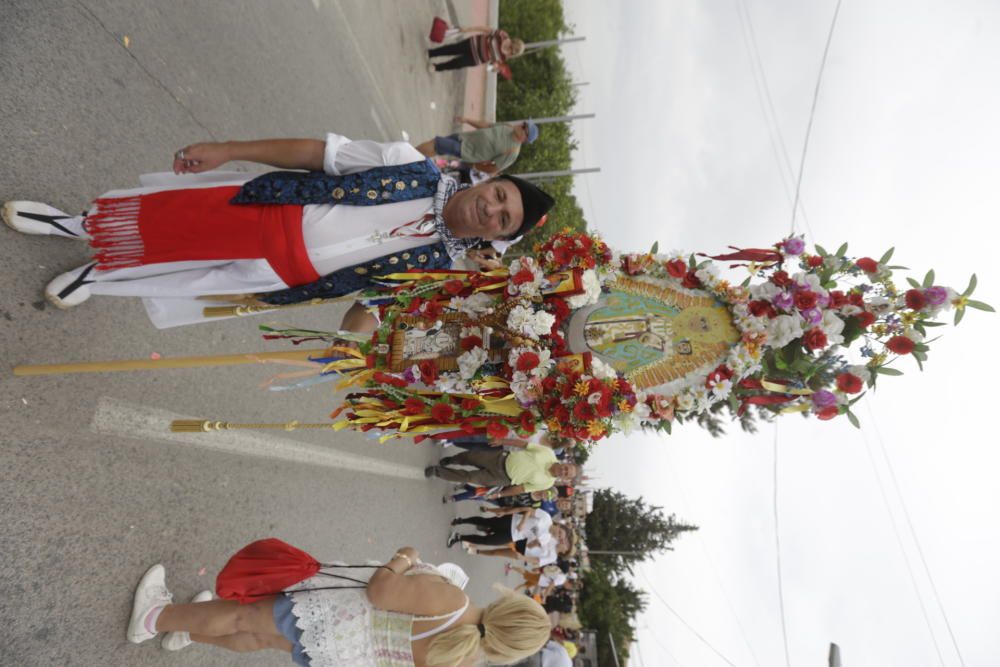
{"type": "Point", "coordinates": [979, 305]}
{"type": "Point", "coordinates": [929, 279]}
{"type": "Point", "coordinates": [829, 284]}
{"type": "Point", "coordinates": [746, 283]}
{"type": "Point", "coordinates": [972, 285]}
{"type": "Point", "coordinates": [842, 250]}
{"type": "Point", "coordinates": [854, 420]}
{"type": "Point", "coordinates": [959, 314]}
{"type": "Point", "coordinates": [655, 248]}
{"type": "Point", "coordinates": [885, 370]}
{"type": "Point", "coordinates": [931, 323]}
{"type": "Point", "coordinates": [852, 329]}
{"type": "Point", "coordinates": [821, 251]}
{"type": "Point", "coordinates": [918, 354]}
{"type": "Point", "coordinates": [692, 262]}
{"type": "Point", "coordinates": [920, 327]}
{"type": "Point", "coordinates": [898, 266]}
{"type": "Point", "coordinates": [856, 399]}
{"type": "Point", "coordinates": [913, 283]}
{"type": "Point", "coordinates": [920, 363]}
{"type": "Point", "coordinates": [887, 256]}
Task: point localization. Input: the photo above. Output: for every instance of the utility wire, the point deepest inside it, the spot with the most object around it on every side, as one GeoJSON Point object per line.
{"type": "Point", "coordinates": [913, 531]}
{"type": "Point", "coordinates": [902, 549]}
{"type": "Point", "coordinates": [666, 649]}
{"type": "Point", "coordinates": [681, 619]}
{"type": "Point", "coordinates": [812, 111]}
{"type": "Point", "coordinates": [777, 550]}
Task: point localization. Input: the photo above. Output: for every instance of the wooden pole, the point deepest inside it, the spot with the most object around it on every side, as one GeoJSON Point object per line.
{"type": "Point", "coordinates": [177, 362]}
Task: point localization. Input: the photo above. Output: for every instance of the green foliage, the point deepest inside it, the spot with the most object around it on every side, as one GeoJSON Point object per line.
{"type": "Point", "coordinates": [608, 605]}
{"type": "Point", "coordinates": [541, 86]}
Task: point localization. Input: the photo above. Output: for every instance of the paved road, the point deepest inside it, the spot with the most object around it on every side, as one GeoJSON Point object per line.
{"type": "Point", "coordinates": [85, 506]}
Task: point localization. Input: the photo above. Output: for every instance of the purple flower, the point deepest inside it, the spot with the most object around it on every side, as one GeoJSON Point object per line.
{"type": "Point", "coordinates": [783, 300]}
{"type": "Point", "coordinates": [823, 300]}
{"type": "Point", "coordinates": [936, 295]}
{"type": "Point", "coordinates": [824, 399]}
{"type": "Point", "coordinates": [409, 375]}
{"type": "Point", "coordinates": [812, 315]}
{"type": "Point", "coordinates": [793, 246]}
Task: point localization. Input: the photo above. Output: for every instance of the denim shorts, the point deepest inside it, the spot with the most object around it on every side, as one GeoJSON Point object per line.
{"type": "Point", "coordinates": [449, 145]}
{"type": "Point", "coordinates": [284, 619]}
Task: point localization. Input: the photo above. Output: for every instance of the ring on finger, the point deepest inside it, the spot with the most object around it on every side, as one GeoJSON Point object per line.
{"type": "Point", "coordinates": [179, 154]}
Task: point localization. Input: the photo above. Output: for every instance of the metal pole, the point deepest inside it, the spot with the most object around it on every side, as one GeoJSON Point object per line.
{"type": "Point", "coordinates": [551, 119]}
{"type": "Point", "coordinates": [552, 42]}
{"type": "Point", "coordinates": [614, 651]}
{"type": "Point", "coordinates": [580, 83]}
{"type": "Point", "coordinates": [552, 174]}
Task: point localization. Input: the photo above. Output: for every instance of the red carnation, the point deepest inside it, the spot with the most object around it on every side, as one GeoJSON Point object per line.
{"type": "Point", "coordinates": [432, 310]}
{"type": "Point", "coordinates": [497, 430]}
{"type": "Point", "coordinates": [867, 264]}
{"type": "Point", "coordinates": [523, 276]}
{"type": "Point", "coordinates": [562, 415]}
{"type": "Point", "coordinates": [915, 299]}
{"type": "Point", "coordinates": [468, 427]}
{"type": "Point", "coordinates": [527, 422]}
{"type": "Point", "coordinates": [828, 412]}
{"type": "Point", "coordinates": [442, 413]}
{"type": "Point", "coordinates": [865, 319]}
{"type": "Point", "coordinates": [585, 242]}
{"type": "Point", "coordinates": [583, 412]}
{"type": "Point", "coordinates": [691, 281]}
{"type": "Point", "coordinates": [413, 406]}
{"type": "Point", "coordinates": [837, 299]}
{"type": "Point", "coordinates": [548, 383]}
{"type": "Point", "coordinates": [856, 299]}
{"type": "Point", "coordinates": [385, 378]}
{"type": "Point", "coordinates": [813, 261]}
{"type": "Point", "coordinates": [781, 278]}
{"type": "Point", "coordinates": [805, 299]}
{"type": "Point", "coordinates": [470, 342]}
{"type": "Point", "coordinates": [453, 287]}
{"type": "Point", "coordinates": [762, 308]}
{"type": "Point", "coordinates": [900, 344]}
{"type": "Point", "coordinates": [428, 371]}
{"type": "Point", "coordinates": [469, 404]}
{"type": "Point", "coordinates": [814, 339]}
{"type": "Point", "coordinates": [562, 256]}
{"type": "Point", "coordinates": [677, 268]}
{"type": "Point", "coordinates": [526, 361]}
{"type": "Point", "coordinates": [721, 373]}
{"type": "Point", "coordinates": [849, 383]}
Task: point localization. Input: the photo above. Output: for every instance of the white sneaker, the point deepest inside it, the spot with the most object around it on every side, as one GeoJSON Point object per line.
{"type": "Point", "coordinates": [70, 289]}
{"type": "Point", "coordinates": [151, 592]}
{"type": "Point", "coordinates": [31, 217]}
{"type": "Point", "coordinates": [175, 641]}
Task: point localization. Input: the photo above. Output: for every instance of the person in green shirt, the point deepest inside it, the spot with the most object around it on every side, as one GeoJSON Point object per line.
{"type": "Point", "coordinates": [529, 467]}
{"type": "Point", "coordinates": [491, 148]}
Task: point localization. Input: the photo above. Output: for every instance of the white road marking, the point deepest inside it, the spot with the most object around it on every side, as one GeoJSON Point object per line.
{"type": "Point", "coordinates": [130, 420]}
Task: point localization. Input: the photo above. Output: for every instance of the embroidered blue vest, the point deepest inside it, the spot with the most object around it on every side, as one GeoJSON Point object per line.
{"type": "Point", "coordinates": [379, 185]}
{"type": "Point", "coordinates": [353, 278]}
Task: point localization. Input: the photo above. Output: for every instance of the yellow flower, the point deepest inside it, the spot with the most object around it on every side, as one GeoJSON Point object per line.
{"type": "Point", "coordinates": [909, 317]}
{"type": "Point", "coordinates": [624, 405]}
{"type": "Point", "coordinates": [554, 425]}
{"type": "Point", "coordinates": [960, 302]}
{"type": "Point", "coordinates": [581, 388]}
{"type": "Point", "coordinates": [595, 428]}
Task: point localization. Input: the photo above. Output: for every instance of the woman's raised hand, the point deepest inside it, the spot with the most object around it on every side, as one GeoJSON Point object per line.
{"type": "Point", "coordinates": [198, 158]}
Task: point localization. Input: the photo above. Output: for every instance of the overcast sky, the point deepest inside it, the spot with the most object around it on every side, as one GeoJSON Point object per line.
{"type": "Point", "coordinates": [905, 152]}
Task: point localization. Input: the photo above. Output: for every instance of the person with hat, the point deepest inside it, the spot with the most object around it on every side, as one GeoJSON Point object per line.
{"type": "Point", "coordinates": [491, 147]}
{"type": "Point", "coordinates": [356, 210]}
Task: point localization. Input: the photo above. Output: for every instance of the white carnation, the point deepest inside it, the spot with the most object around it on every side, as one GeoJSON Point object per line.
{"type": "Point", "coordinates": [601, 370]}
{"type": "Point", "coordinates": [591, 291]}
{"type": "Point", "coordinates": [473, 305]}
{"type": "Point", "coordinates": [528, 322]}
{"type": "Point", "coordinates": [832, 325]}
{"type": "Point", "coordinates": [783, 329]}
{"type": "Point", "coordinates": [469, 362]}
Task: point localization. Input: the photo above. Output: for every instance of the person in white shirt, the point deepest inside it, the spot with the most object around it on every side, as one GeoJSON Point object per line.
{"type": "Point", "coordinates": [526, 534]}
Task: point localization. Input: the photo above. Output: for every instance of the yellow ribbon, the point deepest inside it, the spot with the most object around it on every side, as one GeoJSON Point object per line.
{"type": "Point", "coordinates": [784, 388]}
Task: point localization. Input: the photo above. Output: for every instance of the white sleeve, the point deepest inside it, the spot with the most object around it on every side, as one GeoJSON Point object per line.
{"type": "Point", "coordinates": [343, 156]}
{"type": "Point", "coordinates": [501, 245]}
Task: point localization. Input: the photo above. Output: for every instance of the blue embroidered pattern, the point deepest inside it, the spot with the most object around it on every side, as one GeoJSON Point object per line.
{"type": "Point", "coordinates": [379, 185]}
{"type": "Point", "coordinates": [353, 278]}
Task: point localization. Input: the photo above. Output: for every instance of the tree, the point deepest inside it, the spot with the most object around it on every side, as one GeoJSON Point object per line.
{"type": "Point", "coordinates": [629, 525]}
{"type": "Point", "coordinates": [608, 605]}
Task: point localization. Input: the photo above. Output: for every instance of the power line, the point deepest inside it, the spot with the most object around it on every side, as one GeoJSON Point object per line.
{"type": "Point", "coordinates": [681, 619]}
{"type": "Point", "coordinates": [812, 111]}
{"type": "Point", "coordinates": [899, 542]}
{"type": "Point", "coordinates": [777, 550]}
{"type": "Point", "coordinates": [666, 649]}
{"type": "Point", "coordinates": [913, 532]}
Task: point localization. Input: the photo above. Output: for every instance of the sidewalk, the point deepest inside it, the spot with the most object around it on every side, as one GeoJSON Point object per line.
{"type": "Point", "coordinates": [480, 85]}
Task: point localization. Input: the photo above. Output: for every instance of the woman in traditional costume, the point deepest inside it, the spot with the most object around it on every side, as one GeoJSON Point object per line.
{"type": "Point", "coordinates": [360, 210]}
{"type": "Point", "coordinates": [396, 621]}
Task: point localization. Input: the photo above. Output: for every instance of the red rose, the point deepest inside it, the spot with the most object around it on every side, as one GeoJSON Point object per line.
{"type": "Point", "coordinates": [562, 256]}
{"type": "Point", "coordinates": [865, 319]}
{"type": "Point", "coordinates": [526, 361]}
{"type": "Point", "coordinates": [428, 371]}
{"type": "Point", "coordinates": [470, 342]}
{"type": "Point", "coordinates": [900, 344]}
{"type": "Point", "coordinates": [497, 430]}
{"type": "Point", "coordinates": [856, 299]}
{"type": "Point", "coordinates": [432, 310]}
{"type": "Point", "coordinates": [562, 415]}
{"type": "Point", "coordinates": [468, 427]}
{"type": "Point", "coordinates": [442, 413]}
{"type": "Point", "coordinates": [560, 309]}
{"type": "Point", "coordinates": [813, 261]}
{"type": "Point", "coordinates": [867, 264]}
{"type": "Point", "coordinates": [453, 287]}
{"type": "Point", "coordinates": [849, 383]}
{"type": "Point", "coordinates": [585, 242]}
{"type": "Point", "coordinates": [837, 299]}
{"type": "Point", "coordinates": [804, 299]}
{"type": "Point", "coordinates": [814, 339]}
{"type": "Point", "coordinates": [548, 384]}
{"type": "Point", "coordinates": [527, 422]}
{"type": "Point", "coordinates": [414, 406]}
{"type": "Point", "coordinates": [781, 278]}
{"type": "Point", "coordinates": [828, 413]}
{"type": "Point", "coordinates": [523, 276]}
{"type": "Point", "coordinates": [915, 299]}
{"type": "Point", "coordinates": [762, 308]}
{"type": "Point", "coordinates": [677, 268]}
{"type": "Point", "coordinates": [691, 281]}
{"type": "Point", "coordinates": [469, 404]}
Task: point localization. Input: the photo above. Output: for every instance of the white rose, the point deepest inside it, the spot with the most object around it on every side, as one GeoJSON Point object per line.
{"type": "Point", "coordinates": [469, 362]}
{"type": "Point", "coordinates": [685, 401]}
{"type": "Point", "coordinates": [783, 329]}
{"type": "Point", "coordinates": [766, 290]}
{"type": "Point", "coordinates": [832, 325]}
{"type": "Point", "coordinates": [473, 305]}
{"type": "Point", "coordinates": [591, 291]}
{"type": "Point", "coordinates": [601, 370]}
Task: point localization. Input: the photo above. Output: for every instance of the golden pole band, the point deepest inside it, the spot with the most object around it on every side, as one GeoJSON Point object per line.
{"type": "Point", "coordinates": [207, 426]}
{"type": "Point", "coordinates": [247, 310]}
{"type": "Point", "coordinates": [177, 362]}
